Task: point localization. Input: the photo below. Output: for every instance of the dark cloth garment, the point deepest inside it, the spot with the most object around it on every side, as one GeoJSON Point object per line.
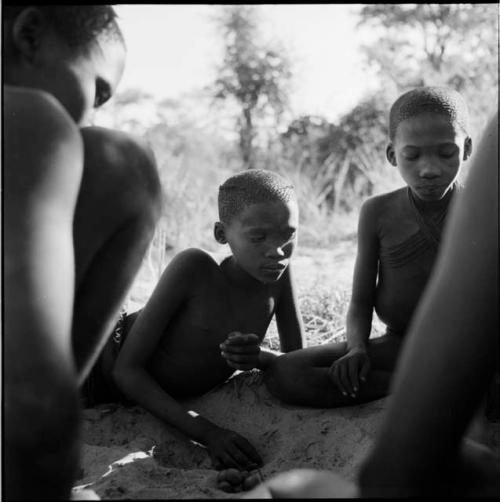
{"type": "Point", "coordinates": [99, 386]}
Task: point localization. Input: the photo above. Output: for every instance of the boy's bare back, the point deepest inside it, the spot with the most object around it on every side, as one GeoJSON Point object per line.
{"type": "Point", "coordinates": [60, 62]}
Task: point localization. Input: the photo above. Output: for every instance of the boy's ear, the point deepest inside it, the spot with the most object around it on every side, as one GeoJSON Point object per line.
{"type": "Point", "coordinates": [27, 30]}
{"type": "Point", "coordinates": [220, 232]}
{"type": "Point", "coordinates": [391, 154]}
{"type": "Point", "coordinates": [467, 147]}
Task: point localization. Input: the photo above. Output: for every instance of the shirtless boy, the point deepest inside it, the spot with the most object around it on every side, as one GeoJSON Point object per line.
{"type": "Point", "coordinates": [80, 206]}
{"type": "Point", "coordinates": [421, 449]}
{"type": "Point", "coordinates": [207, 317]}
{"type": "Point", "coordinates": [398, 240]}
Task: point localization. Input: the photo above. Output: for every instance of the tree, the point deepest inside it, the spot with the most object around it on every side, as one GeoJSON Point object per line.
{"type": "Point", "coordinates": [253, 75]}
{"type": "Point", "coordinates": [344, 161]}
{"type": "Point", "coordinates": [437, 44]}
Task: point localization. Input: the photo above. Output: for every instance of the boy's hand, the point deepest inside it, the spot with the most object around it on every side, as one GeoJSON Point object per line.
{"type": "Point", "coordinates": [227, 449]}
{"type": "Point", "coordinates": [241, 351]}
{"type": "Point", "coordinates": [347, 371]}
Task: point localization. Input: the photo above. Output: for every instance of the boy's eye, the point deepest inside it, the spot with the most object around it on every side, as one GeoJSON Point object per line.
{"type": "Point", "coordinates": [410, 156]}
{"type": "Point", "coordinates": [447, 153]}
{"type": "Point", "coordinates": [410, 153]}
{"type": "Point", "coordinates": [102, 93]}
{"type": "Point", "coordinates": [258, 238]}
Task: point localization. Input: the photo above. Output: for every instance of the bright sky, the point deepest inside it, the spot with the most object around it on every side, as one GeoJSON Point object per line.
{"type": "Point", "coordinates": [173, 49]}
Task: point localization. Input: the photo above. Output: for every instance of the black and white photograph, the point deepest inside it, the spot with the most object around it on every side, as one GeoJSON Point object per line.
{"type": "Point", "coordinates": [250, 251]}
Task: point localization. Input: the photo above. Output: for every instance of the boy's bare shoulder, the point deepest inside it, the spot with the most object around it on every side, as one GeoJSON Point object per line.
{"type": "Point", "coordinates": [42, 146]}
{"type": "Point", "coordinates": [36, 116]}
{"type": "Point", "coordinates": [35, 105]}
{"type": "Point", "coordinates": [377, 205]}
{"type": "Point", "coordinates": [195, 260]}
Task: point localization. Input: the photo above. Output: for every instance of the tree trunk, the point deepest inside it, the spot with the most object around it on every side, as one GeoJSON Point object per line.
{"type": "Point", "coordinates": [339, 183]}
{"type": "Point", "coordinates": [246, 139]}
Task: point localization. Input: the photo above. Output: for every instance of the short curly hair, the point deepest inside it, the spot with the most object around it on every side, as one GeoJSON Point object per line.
{"type": "Point", "coordinates": [441, 100]}
{"type": "Point", "coordinates": [251, 187]}
{"type": "Point", "coordinates": [77, 25]}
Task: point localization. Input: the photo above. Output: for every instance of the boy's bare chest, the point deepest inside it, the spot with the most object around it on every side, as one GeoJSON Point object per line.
{"type": "Point", "coordinates": [226, 310]}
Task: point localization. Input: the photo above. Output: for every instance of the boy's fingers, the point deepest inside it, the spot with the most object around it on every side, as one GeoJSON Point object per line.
{"type": "Point", "coordinates": [353, 377]}
{"type": "Point", "coordinates": [338, 379]}
{"type": "Point", "coordinates": [240, 338]}
{"type": "Point", "coordinates": [344, 378]}
{"type": "Point", "coordinates": [364, 370]}
{"type": "Point", "coordinates": [334, 374]}
{"type": "Point", "coordinates": [240, 349]}
{"type": "Point", "coordinates": [253, 458]}
{"type": "Point", "coordinates": [227, 460]}
{"type": "Point", "coordinates": [238, 455]}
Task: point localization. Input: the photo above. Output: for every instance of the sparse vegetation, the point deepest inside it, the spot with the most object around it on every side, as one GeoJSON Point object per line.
{"type": "Point", "coordinates": [334, 166]}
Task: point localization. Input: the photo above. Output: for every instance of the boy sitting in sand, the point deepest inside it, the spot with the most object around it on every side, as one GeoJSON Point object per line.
{"type": "Point", "coordinates": [422, 449]}
{"type": "Point", "coordinates": [80, 206]}
{"type": "Point", "coordinates": [398, 240]}
{"type": "Point", "coordinates": [207, 317]}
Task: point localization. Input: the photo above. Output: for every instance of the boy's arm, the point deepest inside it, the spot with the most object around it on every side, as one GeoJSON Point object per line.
{"type": "Point", "coordinates": [130, 371]}
{"type": "Point", "coordinates": [354, 365]}
{"type": "Point", "coordinates": [242, 351]}
{"type": "Point", "coordinates": [43, 162]}
{"type": "Point", "coordinates": [360, 311]}
{"type": "Point", "coordinates": [455, 331]}
{"type": "Point", "coordinates": [288, 318]}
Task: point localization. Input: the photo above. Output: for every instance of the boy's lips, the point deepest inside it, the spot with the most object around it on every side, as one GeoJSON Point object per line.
{"type": "Point", "coordinates": [430, 189]}
{"type": "Point", "coordinates": [274, 267]}
{"type": "Point", "coordinates": [430, 186]}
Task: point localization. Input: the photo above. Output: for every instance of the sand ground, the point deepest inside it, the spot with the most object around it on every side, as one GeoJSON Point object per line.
{"type": "Point", "coordinates": [129, 454]}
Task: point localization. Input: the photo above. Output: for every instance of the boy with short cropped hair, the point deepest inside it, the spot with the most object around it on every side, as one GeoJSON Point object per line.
{"type": "Point", "coordinates": [422, 449]}
{"type": "Point", "coordinates": [208, 316]}
{"type": "Point", "coordinates": [398, 240]}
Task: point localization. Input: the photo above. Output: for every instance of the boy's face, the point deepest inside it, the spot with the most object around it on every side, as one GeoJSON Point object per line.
{"type": "Point", "coordinates": [428, 151]}
{"type": "Point", "coordinates": [262, 238]}
{"type": "Point", "coordinates": [82, 82]}
{"type": "Point", "coordinates": [80, 78]}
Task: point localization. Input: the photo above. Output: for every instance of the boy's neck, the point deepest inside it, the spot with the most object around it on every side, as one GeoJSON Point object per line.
{"type": "Point", "coordinates": [239, 277]}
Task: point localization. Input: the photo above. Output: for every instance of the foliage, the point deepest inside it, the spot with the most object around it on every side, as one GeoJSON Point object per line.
{"type": "Point", "coordinates": [253, 75]}
{"type": "Point", "coordinates": [334, 165]}
{"type": "Point", "coordinates": [343, 162]}
{"type": "Point", "coordinates": [436, 44]}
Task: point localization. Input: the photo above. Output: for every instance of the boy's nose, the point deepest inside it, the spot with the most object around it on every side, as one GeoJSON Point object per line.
{"type": "Point", "coordinates": [275, 252]}
{"type": "Point", "coordinates": [429, 170]}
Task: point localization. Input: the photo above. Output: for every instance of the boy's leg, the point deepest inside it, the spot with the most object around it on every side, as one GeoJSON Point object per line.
{"type": "Point", "coordinates": [117, 210]}
{"type": "Point", "coordinates": [41, 416]}
{"type": "Point", "coordinates": [43, 160]}
{"type": "Point", "coordinates": [301, 377]}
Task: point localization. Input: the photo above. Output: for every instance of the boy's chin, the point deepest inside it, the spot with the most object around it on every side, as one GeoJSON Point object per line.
{"type": "Point", "coordinates": [268, 276]}
{"type": "Point", "coordinates": [431, 193]}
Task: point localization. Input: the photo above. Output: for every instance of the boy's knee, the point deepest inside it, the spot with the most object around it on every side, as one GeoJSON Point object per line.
{"type": "Point", "coordinates": [278, 378]}
{"type": "Point", "coordinates": [126, 163]}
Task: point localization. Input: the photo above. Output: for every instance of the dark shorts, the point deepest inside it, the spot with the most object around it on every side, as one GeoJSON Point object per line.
{"type": "Point", "coordinates": [99, 387]}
